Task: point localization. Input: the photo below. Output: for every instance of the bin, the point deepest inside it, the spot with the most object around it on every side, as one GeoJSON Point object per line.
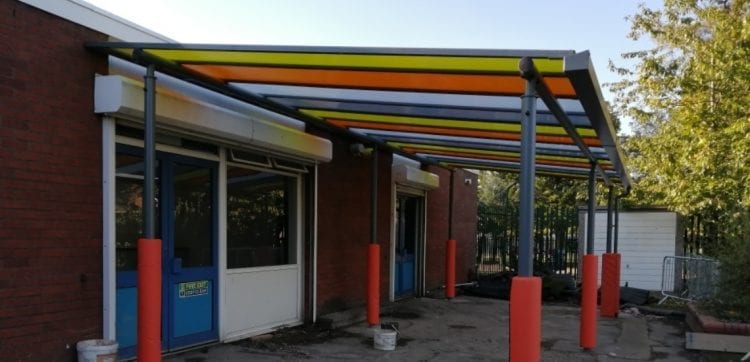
{"type": "Point", "coordinates": [97, 350]}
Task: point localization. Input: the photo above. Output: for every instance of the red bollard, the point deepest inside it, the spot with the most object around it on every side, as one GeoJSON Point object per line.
{"type": "Point", "coordinates": [588, 302]}
{"type": "Point", "coordinates": [450, 269]}
{"type": "Point", "coordinates": [610, 305]}
{"type": "Point", "coordinates": [149, 300]}
{"type": "Point", "coordinates": [373, 284]}
{"type": "Point", "coordinates": [525, 319]}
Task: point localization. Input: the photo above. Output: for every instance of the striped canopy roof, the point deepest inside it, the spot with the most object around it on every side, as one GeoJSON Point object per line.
{"type": "Point", "coordinates": [455, 107]}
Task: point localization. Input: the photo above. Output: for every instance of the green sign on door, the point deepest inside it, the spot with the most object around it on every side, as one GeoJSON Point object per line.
{"type": "Point", "coordinates": [193, 289]}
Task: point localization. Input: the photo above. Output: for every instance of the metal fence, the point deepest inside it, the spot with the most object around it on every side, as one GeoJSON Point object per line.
{"type": "Point", "coordinates": [705, 233]}
{"type": "Point", "coordinates": [688, 278]}
{"type": "Point", "coordinates": [555, 240]}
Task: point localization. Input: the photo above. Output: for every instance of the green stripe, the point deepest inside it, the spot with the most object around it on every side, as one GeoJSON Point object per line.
{"type": "Point", "coordinates": [416, 63]}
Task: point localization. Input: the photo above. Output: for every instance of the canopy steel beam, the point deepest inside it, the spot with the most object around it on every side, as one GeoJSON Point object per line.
{"type": "Point", "coordinates": [528, 71]}
{"type": "Point", "coordinates": [526, 182]}
{"type": "Point", "coordinates": [590, 227]}
{"type": "Point", "coordinates": [610, 201]}
{"type": "Point", "coordinates": [617, 217]}
{"type": "Point", "coordinates": [450, 207]}
{"type": "Point", "coordinates": [149, 157]}
{"type": "Point", "coordinates": [374, 198]}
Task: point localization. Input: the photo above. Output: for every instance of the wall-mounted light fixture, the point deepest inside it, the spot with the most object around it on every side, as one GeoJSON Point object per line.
{"type": "Point", "coordinates": [359, 150]}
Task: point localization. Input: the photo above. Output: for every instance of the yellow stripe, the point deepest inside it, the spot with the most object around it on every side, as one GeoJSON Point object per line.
{"type": "Point", "coordinates": [459, 64]}
{"type": "Point", "coordinates": [442, 123]}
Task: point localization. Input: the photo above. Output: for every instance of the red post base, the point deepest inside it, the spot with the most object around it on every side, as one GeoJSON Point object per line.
{"type": "Point", "coordinates": [373, 284]}
{"type": "Point", "coordinates": [588, 302]}
{"type": "Point", "coordinates": [450, 269]}
{"type": "Point", "coordinates": [149, 300]}
{"type": "Point", "coordinates": [525, 319]}
{"type": "Point", "coordinates": [610, 304]}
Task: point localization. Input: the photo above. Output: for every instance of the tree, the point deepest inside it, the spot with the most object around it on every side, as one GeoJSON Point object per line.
{"type": "Point", "coordinates": [689, 98]}
{"type": "Point", "coordinates": [497, 188]}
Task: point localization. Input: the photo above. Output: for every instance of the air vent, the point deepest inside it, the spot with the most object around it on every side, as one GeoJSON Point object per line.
{"type": "Point", "coordinates": [289, 166]}
{"type": "Point", "coordinates": [250, 158]}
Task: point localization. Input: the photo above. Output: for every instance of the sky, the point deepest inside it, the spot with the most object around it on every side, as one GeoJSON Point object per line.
{"type": "Point", "coordinates": [595, 25]}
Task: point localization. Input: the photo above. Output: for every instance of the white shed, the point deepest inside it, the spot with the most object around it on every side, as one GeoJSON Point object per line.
{"type": "Point", "coordinates": [645, 238]}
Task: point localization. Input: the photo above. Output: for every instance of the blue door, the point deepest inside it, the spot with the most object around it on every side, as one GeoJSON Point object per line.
{"type": "Point", "coordinates": [408, 234]}
{"type": "Point", "coordinates": [187, 224]}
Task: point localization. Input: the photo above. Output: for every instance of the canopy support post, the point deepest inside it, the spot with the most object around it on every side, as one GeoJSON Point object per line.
{"type": "Point", "coordinates": [610, 289]}
{"type": "Point", "coordinates": [149, 247]}
{"type": "Point", "coordinates": [373, 249]}
{"type": "Point", "coordinates": [526, 289]}
{"type": "Point", "coordinates": [450, 248]}
{"type": "Point", "coordinates": [610, 202]}
{"type": "Point", "coordinates": [590, 266]}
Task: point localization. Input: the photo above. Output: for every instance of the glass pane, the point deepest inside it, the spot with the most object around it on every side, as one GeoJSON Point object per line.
{"type": "Point", "coordinates": [258, 219]}
{"type": "Point", "coordinates": [193, 221]}
{"type": "Point", "coordinates": [129, 209]}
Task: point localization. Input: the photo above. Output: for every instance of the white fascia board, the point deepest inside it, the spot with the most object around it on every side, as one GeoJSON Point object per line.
{"type": "Point", "coordinates": [401, 160]}
{"type": "Point", "coordinates": [290, 141]}
{"type": "Point", "coordinates": [410, 176]}
{"type": "Point", "coordinates": [92, 17]}
{"type": "Point", "coordinates": [172, 84]}
{"type": "Point", "coordinates": [122, 97]}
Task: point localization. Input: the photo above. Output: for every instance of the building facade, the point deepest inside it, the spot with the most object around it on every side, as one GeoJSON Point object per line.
{"type": "Point", "coordinates": [265, 221]}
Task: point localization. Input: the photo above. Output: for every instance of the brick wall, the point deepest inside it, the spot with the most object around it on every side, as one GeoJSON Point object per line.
{"type": "Point", "coordinates": [50, 186]}
{"type": "Point", "coordinates": [344, 227]}
{"type": "Point", "coordinates": [464, 226]}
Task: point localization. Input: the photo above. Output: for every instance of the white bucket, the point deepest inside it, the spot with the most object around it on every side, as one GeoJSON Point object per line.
{"type": "Point", "coordinates": [97, 350]}
{"type": "Point", "coordinates": [385, 339]}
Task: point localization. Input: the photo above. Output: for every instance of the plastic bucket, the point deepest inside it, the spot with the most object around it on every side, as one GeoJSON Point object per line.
{"type": "Point", "coordinates": [385, 339]}
{"type": "Point", "coordinates": [97, 350]}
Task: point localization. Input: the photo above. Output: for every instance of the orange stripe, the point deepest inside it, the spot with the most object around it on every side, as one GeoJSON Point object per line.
{"type": "Point", "coordinates": [433, 82]}
{"type": "Point", "coordinates": [583, 164]}
{"type": "Point", "coordinates": [457, 132]}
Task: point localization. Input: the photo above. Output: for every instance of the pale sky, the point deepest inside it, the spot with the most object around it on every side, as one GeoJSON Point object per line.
{"type": "Point", "coordinates": [595, 25]}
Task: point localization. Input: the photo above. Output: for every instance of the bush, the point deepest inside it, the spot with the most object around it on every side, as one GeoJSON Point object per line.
{"type": "Point", "coordinates": [733, 296]}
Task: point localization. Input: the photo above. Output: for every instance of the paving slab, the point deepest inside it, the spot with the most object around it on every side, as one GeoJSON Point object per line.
{"type": "Point", "coordinates": [465, 328]}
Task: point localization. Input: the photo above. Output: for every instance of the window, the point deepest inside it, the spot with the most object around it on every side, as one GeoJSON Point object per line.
{"type": "Point", "coordinates": [129, 209]}
{"type": "Point", "coordinates": [260, 215]}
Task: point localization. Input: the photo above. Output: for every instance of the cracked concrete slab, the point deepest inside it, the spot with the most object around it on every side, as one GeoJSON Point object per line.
{"type": "Point", "coordinates": [466, 328]}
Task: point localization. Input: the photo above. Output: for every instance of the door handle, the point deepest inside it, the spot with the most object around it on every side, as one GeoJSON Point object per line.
{"type": "Point", "coordinates": [176, 265]}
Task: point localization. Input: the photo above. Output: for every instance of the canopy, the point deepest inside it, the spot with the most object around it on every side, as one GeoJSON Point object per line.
{"type": "Point", "coordinates": [454, 107]}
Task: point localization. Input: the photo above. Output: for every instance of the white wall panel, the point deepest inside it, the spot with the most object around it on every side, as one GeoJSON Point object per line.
{"type": "Point", "coordinates": [646, 237]}
{"type": "Point", "coordinates": [261, 300]}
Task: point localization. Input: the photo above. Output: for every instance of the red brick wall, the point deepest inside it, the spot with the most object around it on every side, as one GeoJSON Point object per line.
{"type": "Point", "coordinates": [344, 227]}
{"type": "Point", "coordinates": [464, 226]}
{"type": "Point", "coordinates": [50, 186]}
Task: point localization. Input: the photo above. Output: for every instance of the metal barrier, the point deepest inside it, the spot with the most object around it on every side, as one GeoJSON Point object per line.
{"type": "Point", "coordinates": [688, 278]}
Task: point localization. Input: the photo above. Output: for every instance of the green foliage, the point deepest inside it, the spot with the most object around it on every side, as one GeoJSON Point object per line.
{"type": "Point", "coordinates": [733, 298]}
{"type": "Point", "coordinates": [689, 98]}
{"type": "Point", "coordinates": [495, 189]}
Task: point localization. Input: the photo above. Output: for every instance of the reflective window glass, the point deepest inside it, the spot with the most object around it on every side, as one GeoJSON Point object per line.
{"type": "Point", "coordinates": [193, 215]}
{"type": "Point", "coordinates": [259, 219]}
{"type": "Point", "coordinates": [129, 209]}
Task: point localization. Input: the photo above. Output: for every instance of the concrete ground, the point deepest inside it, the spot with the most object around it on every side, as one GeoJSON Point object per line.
{"type": "Point", "coordinates": [465, 328]}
